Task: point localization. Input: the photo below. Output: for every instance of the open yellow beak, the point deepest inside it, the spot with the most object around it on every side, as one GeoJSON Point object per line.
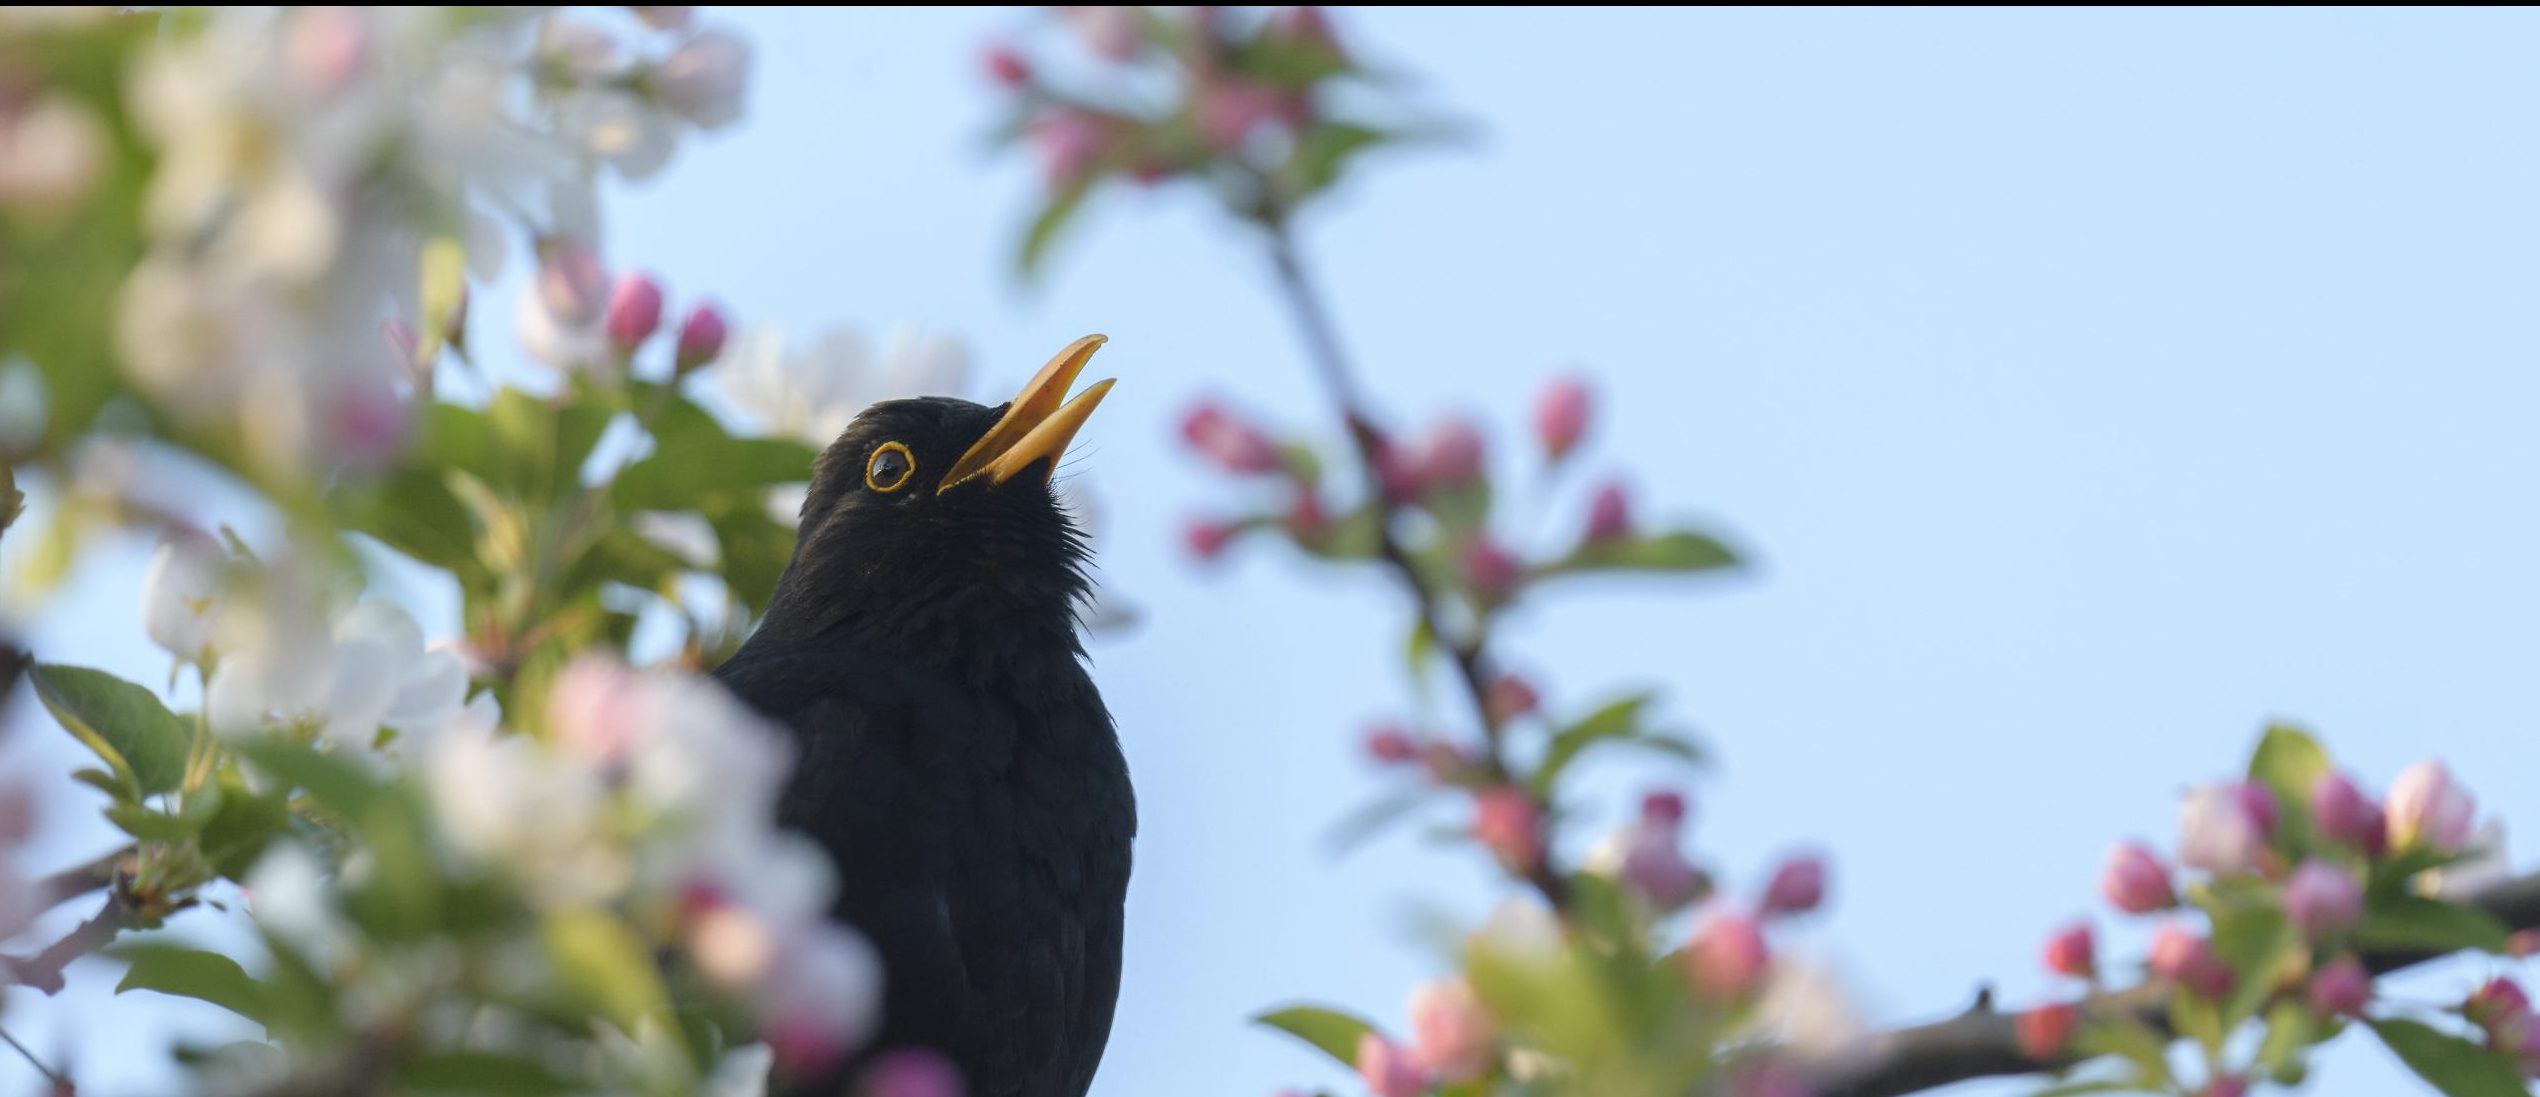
{"type": "Point", "coordinates": [1040, 424]}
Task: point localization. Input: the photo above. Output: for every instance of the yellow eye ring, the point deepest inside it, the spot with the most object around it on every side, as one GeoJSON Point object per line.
{"type": "Point", "coordinates": [883, 474]}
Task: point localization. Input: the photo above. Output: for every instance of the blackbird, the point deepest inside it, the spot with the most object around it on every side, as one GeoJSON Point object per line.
{"type": "Point", "coordinates": [954, 758]}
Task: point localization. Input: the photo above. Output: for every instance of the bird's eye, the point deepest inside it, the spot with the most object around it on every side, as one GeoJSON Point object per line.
{"type": "Point", "coordinates": [889, 468]}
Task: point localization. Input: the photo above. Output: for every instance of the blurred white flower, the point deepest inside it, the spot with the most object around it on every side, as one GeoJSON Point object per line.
{"type": "Point", "coordinates": [742, 1072]}
{"type": "Point", "coordinates": [181, 591]}
{"type": "Point", "coordinates": [825, 996]}
{"type": "Point", "coordinates": [289, 661]}
{"type": "Point", "coordinates": [1806, 1008]}
{"type": "Point", "coordinates": [705, 79]}
{"type": "Point", "coordinates": [2216, 832]}
{"type": "Point", "coordinates": [812, 391]}
{"type": "Point", "coordinates": [1521, 929]}
{"type": "Point", "coordinates": [504, 801]}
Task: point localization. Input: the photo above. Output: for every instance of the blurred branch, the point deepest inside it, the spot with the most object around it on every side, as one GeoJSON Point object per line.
{"type": "Point", "coordinates": [60, 1085]}
{"type": "Point", "coordinates": [1332, 366]}
{"type": "Point", "coordinates": [1984, 1043]}
{"type": "Point", "coordinates": [43, 971]}
{"type": "Point", "coordinates": [77, 880]}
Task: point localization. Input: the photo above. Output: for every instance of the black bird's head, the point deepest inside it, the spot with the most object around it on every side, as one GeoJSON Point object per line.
{"type": "Point", "coordinates": [932, 521]}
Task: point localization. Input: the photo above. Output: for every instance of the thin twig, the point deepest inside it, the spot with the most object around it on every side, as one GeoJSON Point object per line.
{"type": "Point", "coordinates": [1983, 1043]}
{"type": "Point", "coordinates": [61, 1085]}
{"type": "Point", "coordinates": [1332, 366]}
{"type": "Point", "coordinates": [77, 880]}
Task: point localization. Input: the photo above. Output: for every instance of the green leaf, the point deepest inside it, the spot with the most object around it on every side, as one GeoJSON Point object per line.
{"type": "Point", "coordinates": [2290, 1028]}
{"type": "Point", "coordinates": [2128, 1039]}
{"type": "Point", "coordinates": [192, 973]}
{"type": "Point", "coordinates": [1330, 1031]}
{"type": "Point", "coordinates": [1324, 151]}
{"type": "Point", "coordinates": [124, 724]}
{"type": "Point", "coordinates": [604, 966]}
{"type": "Point", "coordinates": [482, 1072]}
{"type": "Point", "coordinates": [1683, 551]}
{"type": "Point", "coordinates": [695, 460]}
{"type": "Point", "coordinates": [1617, 722]}
{"type": "Point", "coordinates": [334, 783]}
{"type": "Point", "coordinates": [146, 824]}
{"type": "Point", "coordinates": [237, 834]}
{"type": "Point", "coordinates": [2290, 763]}
{"type": "Point", "coordinates": [2453, 1065]}
{"type": "Point", "coordinates": [2418, 922]}
{"type": "Point", "coordinates": [2254, 942]}
{"type": "Point", "coordinates": [1046, 225]}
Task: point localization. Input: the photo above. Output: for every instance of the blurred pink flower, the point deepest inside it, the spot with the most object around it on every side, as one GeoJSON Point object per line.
{"type": "Point", "coordinates": [1391, 745]}
{"type": "Point", "coordinates": [2427, 807]}
{"type": "Point", "coordinates": [1797, 887]}
{"type": "Point", "coordinates": [823, 997]}
{"type": "Point", "coordinates": [1006, 66]}
{"type": "Point", "coordinates": [1452, 1034]}
{"type": "Point", "coordinates": [634, 311]}
{"type": "Point", "coordinates": [1490, 569]}
{"type": "Point", "coordinates": [2183, 957]}
{"type": "Point", "coordinates": [1387, 1069]}
{"type": "Point", "coordinates": [1609, 514]}
{"type": "Point", "coordinates": [1207, 539]}
{"type": "Point", "coordinates": [701, 335]}
{"type": "Point", "coordinates": [2323, 899]}
{"type": "Point", "coordinates": [2073, 951]}
{"type": "Point", "coordinates": [2218, 831]}
{"type": "Point", "coordinates": [2046, 1029]}
{"type": "Point", "coordinates": [325, 47]}
{"type": "Point", "coordinates": [2135, 880]}
{"type": "Point", "coordinates": [1228, 442]}
{"type": "Point", "coordinates": [1453, 455]}
{"type": "Point", "coordinates": [2341, 989]}
{"type": "Point", "coordinates": [1561, 416]}
{"type": "Point", "coordinates": [1230, 109]}
{"type": "Point", "coordinates": [910, 1072]}
{"type": "Point", "coordinates": [1511, 697]}
{"type": "Point", "coordinates": [1728, 957]}
{"type": "Point", "coordinates": [1506, 821]}
{"type": "Point", "coordinates": [1111, 32]}
{"type": "Point", "coordinates": [2343, 814]}
{"type": "Point", "coordinates": [1071, 142]}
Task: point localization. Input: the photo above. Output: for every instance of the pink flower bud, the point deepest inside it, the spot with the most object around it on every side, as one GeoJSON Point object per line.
{"type": "Point", "coordinates": [1228, 442]}
{"type": "Point", "coordinates": [1664, 806]}
{"type": "Point", "coordinates": [2135, 880]}
{"type": "Point", "coordinates": [2258, 803]}
{"type": "Point", "coordinates": [2323, 899]}
{"type": "Point", "coordinates": [2426, 807]}
{"type": "Point", "coordinates": [1391, 746]}
{"type": "Point", "coordinates": [2217, 830]}
{"type": "Point", "coordinates": [1492, 572]}
{"type": "Point", "coordinates": [2524, 944]}
{"type": "Point", "coordinates": [2187, 959]}
{"type": "Point", "coordinates": [910, 1072]}
{"type": "Point", "coordinates": [1654, 867]}
{"type": "Point", "coordinates": [1007, 67]}
{"type": "Point", "coordinates": [2229, 1085]}
{"type": "Point", "coordinates": [1452, 1034]}
{"type": "Point", "coordinates": [1510, 698]}
{"type": "Point", "coordinates": [701, 336]}
{"type": "Point", "coordinates": [634, 311]}
{"type": "Point", "coordinates": [1230, 109]}
{"type": "Point", "coordinates": [2045, 1030]}
{"type": "Point", "coordinates": [2504, 1011]}
{"type": "Point", "coordinates": [1071, 142]}
{"type": "Point", "coordinates": [2342, 814]}
{"type": "Point", "coordinates": [1561, 417]}
{"type": "Point", "coordinates": [1728, 958]}
{"type": "Point", "coordinates": [571, 284]}
{"type": "Point", "coordinates": [1208, 540]}
{"type": "Point", "coordinates": [1306, 519]}
{"type": "Point", "coordinates": [1797, 887]}
{"type": "Point", "coordinates": [1507, 823]}
{"type": "Point", "coordinates": [1388, 1071]}
{"type": "Point", "coordinates": [1609, 515]}
{"type": "Point", "coordinates": [1454, 455]}
{"type": "Point", "coordinates": [2341, 989]}
{"type": "Point", "coordinates": [2073, 951]}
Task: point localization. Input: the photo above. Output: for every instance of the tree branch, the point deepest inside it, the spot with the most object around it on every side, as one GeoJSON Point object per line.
{"type": "Point", "coordinates": [43, 971]}
{"type": "Point", "coordinates": [77, 880]}
{"type": "Point", "coordinates": [1332, 366]}
{"type": "Point", "coordinates": [1982, 1043]}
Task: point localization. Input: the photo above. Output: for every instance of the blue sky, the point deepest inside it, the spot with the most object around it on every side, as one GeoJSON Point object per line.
{"type": "Point", "coordinates": [2090, 388]}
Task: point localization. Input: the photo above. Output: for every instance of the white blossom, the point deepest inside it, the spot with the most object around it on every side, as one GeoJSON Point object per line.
{"type": "Point", "coordinates": [813, 390]}
{"type": "Point", "coordinates": [181, 591]}
{"type": "Point", "coordinates": [704, 80]}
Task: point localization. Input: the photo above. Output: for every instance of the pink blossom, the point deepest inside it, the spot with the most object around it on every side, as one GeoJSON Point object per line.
{"type": "Point", "coordinates": [1452, 1034]}
{"type": "Point", "coordinates": [1561, 416]}
{"type": "Point", "coordinates": [1071, 142]}
{"type": "Point", "coordinates": [1665, 805]}
{"type": "Point", "coordinates": [2183, 957]}
{"type": "Point", "coordinates": [2228, 1085]}
{"type": "Point", "coordinates": [1387, 1069]}
{"type": "Point", "coordinates": [2427, 807]}
{"type": "Point", "coordinates": [1398, 472]}
{"type": "Point", "coordinates": [2218, 832]}
{"type": "Point", "coordinates": [910, 1072]}
{"type": "Point", "coordinates": [326, 47]}
{"type": "Point", "coordinates": [2258, 802]}
{"type": "Point", "coordinates": [1490, 569]}
{"type": "Point", "coordinates": [2323, 899]}
{"type": "Point", "coordinates": [1230, 109]}
{"type": "Point", "coordinates": [2341, 989]}
{"type": "Point", "coordinates": [1007, 67]}
{"type": "Point", "coordinates": [634, 312]}
{"type": "Point", "coordinates": [367, 423]}
{"type": "Point", "coordinates": [1609, 514]}
{"type": "Point", "coordinates": [2343, 814]}
{"type": "Point", "coordinates": [2044, 1030]}
{"type": "Point", "coordinates": [1453, 456]}
{"type": "Point", "coordinates": [1797, 887]}
{"type": "Point", "coordinates": [571, 285]}
{"type": "Point", "coordinates": [2504, 1011]}
{"type": "Point", "coordinates": [1507, 822]}
{"type": "Point", "coordinates": [1207, 540]}
{"type": "Point", "coordinates": [1510, 698]}
{"type": "Point", "coordinates": [1306, 517]}
{"type": "Point", "coordinates": [1728, 957]}
{"type": "Point", "coordinates": [2073, 951]}
{"type": "Point", "coordinates": [595, 711]}
{"type": "Point", "coordinates": [1114, 33]}
{"type": "Point", "coordinates": [822, 1000]}
{"type": "Point", "coordinates": [1228, 442]}
{"type": "Point", "coordinates": [701, 335]}
{"type": "Point", "coordinates": [2135, 880]}
{"type": "Point", "coordinates": [1391, 745]}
